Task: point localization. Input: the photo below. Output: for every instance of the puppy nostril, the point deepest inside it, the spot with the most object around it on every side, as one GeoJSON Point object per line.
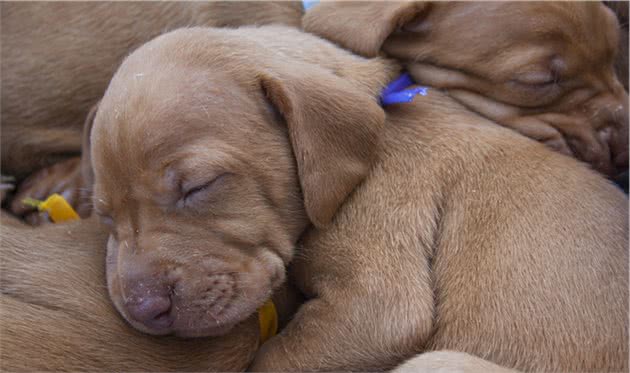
{"type": "Point", "coordinates": [153, 311]}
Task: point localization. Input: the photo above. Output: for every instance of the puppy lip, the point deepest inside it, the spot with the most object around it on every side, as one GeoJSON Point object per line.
{"type": "Point", "coordinates": [153, 330]}
{"type": "Point", "coordinates": [162, 322]}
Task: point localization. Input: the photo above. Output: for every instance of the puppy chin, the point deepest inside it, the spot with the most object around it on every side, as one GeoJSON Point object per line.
{"type": "Point", "coordinates": [205, 332]}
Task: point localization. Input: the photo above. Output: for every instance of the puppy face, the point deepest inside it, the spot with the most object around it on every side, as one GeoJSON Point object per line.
{"type": "Point", "coordinates": [544, 69]}
{"type": "Point", "coordinates": [199, 182]}
{"type": "Point", "coordinates": [204, 167]}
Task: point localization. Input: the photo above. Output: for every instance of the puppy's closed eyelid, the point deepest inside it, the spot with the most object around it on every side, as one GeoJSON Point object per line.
{"type": "Point", "coordinates": [536, 78]}
{"type": "Point", "coordinates": [190, 190]}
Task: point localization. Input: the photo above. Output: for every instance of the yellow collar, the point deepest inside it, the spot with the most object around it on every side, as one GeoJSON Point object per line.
{"type": "Point", "coordinates": [268, 321]}
{"type": "Point", "coordinates": [57, 207]}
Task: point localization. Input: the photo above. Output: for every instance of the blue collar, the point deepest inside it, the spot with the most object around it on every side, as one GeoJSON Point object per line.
{"type": "Point", "coordinates": [398, 91]}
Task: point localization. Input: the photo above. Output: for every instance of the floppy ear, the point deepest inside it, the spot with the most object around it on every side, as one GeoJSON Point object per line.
{"type": "Point", "coordinates": [87, 173]}
{"type": "Point", "coordinates": [361, 26]}
{"type": "Point", "coordinates": [333, 127]}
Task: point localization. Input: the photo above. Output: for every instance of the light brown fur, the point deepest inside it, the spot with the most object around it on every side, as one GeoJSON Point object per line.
{"type": "Point", "coordinates": [437, 230]}
{"type": "Point", "coordinates": [544, 69]}
{"type": "Point", "coordinates": [58, 57]}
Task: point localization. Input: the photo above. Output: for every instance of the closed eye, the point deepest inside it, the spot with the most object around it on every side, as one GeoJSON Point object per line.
{"type": "Point", "coordinates": [191, 192]}
{"type": "Point", "coordinates": [537, 79]}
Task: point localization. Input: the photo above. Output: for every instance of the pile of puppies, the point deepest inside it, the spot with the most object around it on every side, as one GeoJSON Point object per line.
{"type": "Point", "coordinates": [477, 218]}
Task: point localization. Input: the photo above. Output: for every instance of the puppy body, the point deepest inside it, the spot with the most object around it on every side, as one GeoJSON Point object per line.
{"type": "Point", "coordinates": [56, 315]}
{"type": "Point", "coordinates": [506, 250]}
{"type": "Point", "coordinates": [57, 59]}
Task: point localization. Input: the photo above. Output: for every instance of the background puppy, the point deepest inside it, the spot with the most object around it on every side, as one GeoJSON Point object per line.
{"type": "Point", "coordinates": [436, 230]}
{"type": "Point", "coordinates": [56, 315]}
{"type": "Point", "coordinates": [57, 59]}
{"type": "Point", "coordinates": [544, 69]}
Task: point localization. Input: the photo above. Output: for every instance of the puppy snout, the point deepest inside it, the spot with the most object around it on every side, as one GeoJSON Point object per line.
{"type": "Point", "coordinates": [152, 310]}
{"type": "Point", "coordinates": [608, 114]}
{"type": "Point", "coordinates": [148, 297]}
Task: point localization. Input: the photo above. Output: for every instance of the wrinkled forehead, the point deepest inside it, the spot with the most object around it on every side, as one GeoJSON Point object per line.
{"type": "Point", "coordinates": [501, 38]}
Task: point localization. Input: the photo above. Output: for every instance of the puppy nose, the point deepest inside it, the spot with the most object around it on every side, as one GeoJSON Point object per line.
{"type": "Point", "coordinates": [152, 311]}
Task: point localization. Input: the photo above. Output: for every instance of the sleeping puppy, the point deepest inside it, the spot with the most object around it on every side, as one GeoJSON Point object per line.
{"type": "Point", "coordinates": [57, 59]}
{"type": "Point", "coordinates": [56, 315]}
{"type": "Point", "coordinates": [195, 173]}
{"type": "Point", "coordinates": [433, 229]}
{"type": "Point", "coordinates": [544, 69]}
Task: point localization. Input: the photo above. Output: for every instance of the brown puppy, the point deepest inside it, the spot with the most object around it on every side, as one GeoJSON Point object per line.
{"type": "Point", "coordinates": [544, 69]}
{"type": "Point", "coordinates": [56, 315]}
{"type": "Point", "coordinates": [454, 234]}
{"type": "Point", "coordinates": [58, 57]}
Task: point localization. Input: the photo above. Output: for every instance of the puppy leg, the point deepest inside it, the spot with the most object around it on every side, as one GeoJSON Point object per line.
{"type": "Point", "coordinates": [359, 317]}
{"type": "Point", "coordinates": [63, 178]}
{"type": "Point", "coordinates": [346, 331]}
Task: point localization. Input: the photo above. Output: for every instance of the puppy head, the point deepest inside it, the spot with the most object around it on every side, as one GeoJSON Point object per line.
{"type": "Point", "coordinates": [211, 154]}
{"type": "Point", "coordinates": [544, 69]}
